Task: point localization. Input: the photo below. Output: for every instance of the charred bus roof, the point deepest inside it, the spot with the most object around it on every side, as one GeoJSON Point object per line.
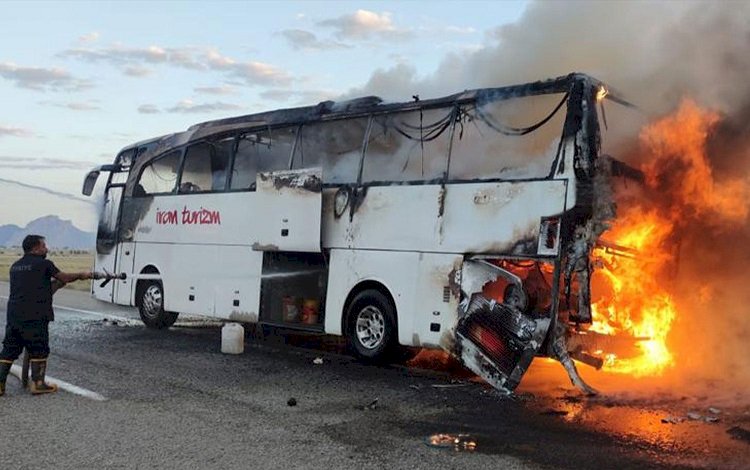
{"type": "Point", "coordinates": [358, 107]}
{"type": "Point", "coordinates": [372, 104]}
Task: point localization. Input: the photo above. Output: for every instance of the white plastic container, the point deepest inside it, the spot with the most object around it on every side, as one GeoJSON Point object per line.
{"type": "Point", "coordinates": [232, 338]}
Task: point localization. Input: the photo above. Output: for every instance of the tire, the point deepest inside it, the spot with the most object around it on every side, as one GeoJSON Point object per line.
{"type": "Point", "coordinates": [371, 327]}
{"type": "Point", "coordinates": [151, 306]}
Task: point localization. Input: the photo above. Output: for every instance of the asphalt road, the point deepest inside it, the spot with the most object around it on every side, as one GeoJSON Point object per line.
{"type": "Point", "coordinates": [174, 401]}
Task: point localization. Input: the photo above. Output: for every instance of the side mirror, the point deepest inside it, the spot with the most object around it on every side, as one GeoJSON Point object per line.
{"type": "Point", "coordinates": [90, 182]}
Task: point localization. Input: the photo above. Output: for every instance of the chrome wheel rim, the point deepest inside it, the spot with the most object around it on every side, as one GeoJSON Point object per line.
{"type": "Point", "coordinates": [370, 327]}
{"type": "Point", "coordinates": [152, 301]}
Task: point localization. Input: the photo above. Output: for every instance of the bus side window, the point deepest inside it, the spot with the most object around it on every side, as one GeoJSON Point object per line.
{"type": "Point", "coordinates": [205, 167]}
{"type": "Point", "coordinates": [485, 145]}
{"type": "Point", "coordinates": [220, 158]}
{"type": "Point", "coordinates": [125, 159]}
{"type": "Point", "coordinates": [159, 176]}
{"type": "Point", "coordinates": [261, 151]}
{"type": "Point", "coordinates": [408, 146]}
{"type": "Point", "coordinates": [244, 169]}
{"type": "Point", "coordinates": [334, 146]}
{"type": "Point", "coordinates": [196, 172]}
{"type": "Point", "coordinates": [275, 156]}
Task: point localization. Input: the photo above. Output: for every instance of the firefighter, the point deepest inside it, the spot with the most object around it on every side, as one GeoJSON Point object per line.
{"type": "Point", "coordinates": [33, 280]}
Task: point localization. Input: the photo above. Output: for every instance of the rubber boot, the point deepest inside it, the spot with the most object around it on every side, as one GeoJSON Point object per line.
{"type": "Point", "coordinates": [38, 370]}
{"type": "Point", "coordinates": [4, 370]}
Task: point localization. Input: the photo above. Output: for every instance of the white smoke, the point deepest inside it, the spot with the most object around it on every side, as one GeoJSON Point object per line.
{"type": "Point", "coordinates": [652, 52]}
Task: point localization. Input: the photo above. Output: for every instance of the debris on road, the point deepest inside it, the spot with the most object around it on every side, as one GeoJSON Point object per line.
{"type": "Point", "coordinates": [291, 402]}
{"type": "Point", "coordinates": [318, 361]}
{"type": "Point", "coordinates": [692, 416]}
{"type": "Point", "coordinates": [714, 411]}
{"type": "Point", "coordinates": [457, 442]}
{"type": "Point", "coordinates": [672, 420]}
{"type": "Point", "coordinates": [554, 413]}
{"type": "Point", "coordinates": [699, 417]}
{"type": "Point", "coordinates": [371, 406]}
{"type": "Point", "coordinates": [456, 385]}
{"type": "Point", "coordinates": [577, 398]}
{"type": "Point", "coordinates": [739, 433]}
{"type": "Point", "coordinates": [501, 394]}
{"type": "Point", "coordinates": [525, 396]}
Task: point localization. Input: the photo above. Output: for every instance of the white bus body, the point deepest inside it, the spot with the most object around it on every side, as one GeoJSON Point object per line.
{"type": "Point", "coordinates": [388, 263]}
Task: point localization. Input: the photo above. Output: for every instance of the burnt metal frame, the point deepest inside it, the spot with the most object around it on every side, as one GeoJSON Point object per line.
{"type": "Point", "coordinates": [326, 111]}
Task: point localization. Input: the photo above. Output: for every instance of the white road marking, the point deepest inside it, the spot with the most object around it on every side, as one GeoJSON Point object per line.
{"type": "Point", "coordinates": [62, 385]}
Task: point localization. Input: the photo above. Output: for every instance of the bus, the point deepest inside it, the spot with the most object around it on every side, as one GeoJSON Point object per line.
{"type": "Point", "coordinates": [462, 223]}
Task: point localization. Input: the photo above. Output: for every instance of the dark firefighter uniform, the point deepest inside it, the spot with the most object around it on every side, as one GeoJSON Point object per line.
{"type": "Point", "coordinates": [29, 313]}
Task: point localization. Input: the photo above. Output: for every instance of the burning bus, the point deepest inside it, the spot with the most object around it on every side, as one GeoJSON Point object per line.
{"type": "Point", "coordinates": [469, 223]}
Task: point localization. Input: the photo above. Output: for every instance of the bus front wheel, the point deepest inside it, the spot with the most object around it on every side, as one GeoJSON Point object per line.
{"type": "Point", "coordinates": [371, 326]}
{"type": "Point", "coordinates": [151, 306]}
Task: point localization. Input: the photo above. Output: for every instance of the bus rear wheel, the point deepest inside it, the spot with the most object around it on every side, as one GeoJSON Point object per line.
{"type": "Point", "coordinates": [151, 306]}
{"type": "Point", "coordinates": [371, 326]}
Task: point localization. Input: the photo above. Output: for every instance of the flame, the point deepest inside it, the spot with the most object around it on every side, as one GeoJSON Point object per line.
{"type": "Point", "coordinates": [633, 292]}
{"type": "Point", "coordinates": [631, 287]}
{"type": "Point", "coordinates": [679, 165]}
{"type": "Point", "coordinates": [636, 304]}
{"type": "Point", "coordinates": [601, 93]}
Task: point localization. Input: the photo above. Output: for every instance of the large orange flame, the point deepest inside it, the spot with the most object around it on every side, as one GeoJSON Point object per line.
{"type": "Point", "coordinates": [632, 294]}
{"type": "Point", "coordinates": [636, 302]}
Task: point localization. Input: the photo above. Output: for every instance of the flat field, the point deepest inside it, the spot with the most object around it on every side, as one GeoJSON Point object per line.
{"type": "Point", "coordinates": [66, 261]}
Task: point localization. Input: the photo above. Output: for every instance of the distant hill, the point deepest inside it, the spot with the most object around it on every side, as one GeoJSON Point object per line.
{"type": "Point", "coordinates": [7, 232]}
{"type": "Point", "coordinates": [58, 232]}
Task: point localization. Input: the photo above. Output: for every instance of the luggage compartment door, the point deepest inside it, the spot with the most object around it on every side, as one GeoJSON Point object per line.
{"type": "Point", "coordinates": [291, 206]}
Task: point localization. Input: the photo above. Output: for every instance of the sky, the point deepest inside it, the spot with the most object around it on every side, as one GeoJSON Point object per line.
{"type": "Point", "coordinates": [81, 80]}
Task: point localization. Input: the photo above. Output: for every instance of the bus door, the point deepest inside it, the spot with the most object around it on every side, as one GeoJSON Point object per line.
{"type": "Point", "coordinates": [291, 204]}
{"type": "Point", "coordinates": [123, 289]}
{"type": "Point", "coordinates": [107, 248]}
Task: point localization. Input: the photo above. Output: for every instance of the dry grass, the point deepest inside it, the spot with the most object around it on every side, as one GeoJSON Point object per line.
{"type": "Point", "coordinates": [66, 261]}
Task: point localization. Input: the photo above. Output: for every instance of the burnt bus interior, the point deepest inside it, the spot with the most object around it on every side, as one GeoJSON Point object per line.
{"type": "Point", "coordinates": [536, 277]}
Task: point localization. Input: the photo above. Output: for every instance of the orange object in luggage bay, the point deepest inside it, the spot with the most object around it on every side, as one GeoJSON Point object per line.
{"type": "Point", "coordinates": [310, 309]}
